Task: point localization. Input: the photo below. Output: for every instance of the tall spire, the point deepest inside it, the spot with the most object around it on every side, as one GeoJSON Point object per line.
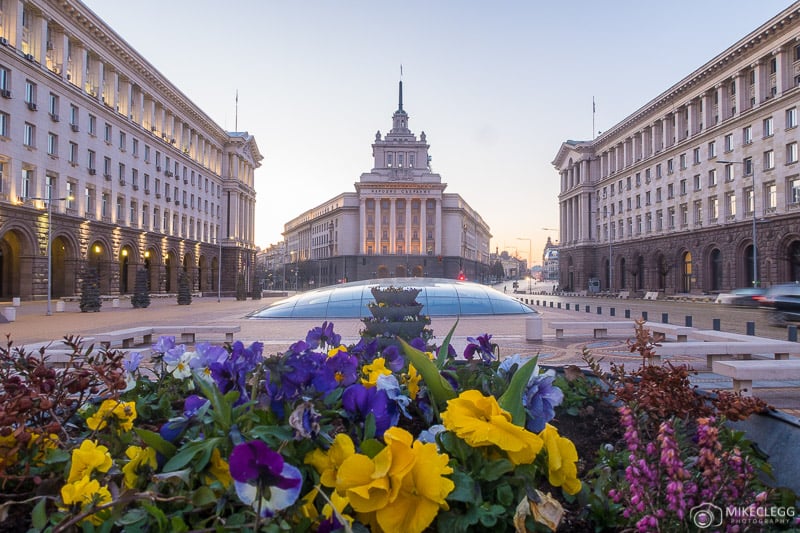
{"type": "Point", "coordinates": [400, 108]}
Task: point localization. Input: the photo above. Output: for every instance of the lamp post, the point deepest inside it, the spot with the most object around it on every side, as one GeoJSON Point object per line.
{"type": "Point", "coordinates": [755, 245]}
{"type": "Point", "coordinates": [530, 260]}
{"type": "Point", "coordinates": [50, 245]}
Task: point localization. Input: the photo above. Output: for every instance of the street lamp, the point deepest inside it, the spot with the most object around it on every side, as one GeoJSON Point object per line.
{"type": "Point", "coordinates": [530, 260]}
{"type": "Point", "coordinates": [755, 246]}
{"type": "Point", "coordinates": [50, 245]}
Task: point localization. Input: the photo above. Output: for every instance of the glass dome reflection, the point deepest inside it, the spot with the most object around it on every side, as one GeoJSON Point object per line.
{"type": "Point", "coordinates": [440, 297]}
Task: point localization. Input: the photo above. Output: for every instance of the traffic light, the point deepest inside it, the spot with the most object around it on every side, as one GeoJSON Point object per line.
{"type": "Point", "coordinates": [461, 276]}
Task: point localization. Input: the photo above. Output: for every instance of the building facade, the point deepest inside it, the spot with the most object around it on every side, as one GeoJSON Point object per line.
{"type": "Point", "coordinates": [699, 190]}
{"type": "Point", "coordinates": [399, 222]}
{"type": "Point", "coordinates": [112, 166]}
{"type": "Point", "coordinates": [550, 261]}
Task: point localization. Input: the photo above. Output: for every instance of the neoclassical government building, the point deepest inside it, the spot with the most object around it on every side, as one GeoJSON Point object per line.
{"type": "Point", "coordinates": [399, 222]}
{"type": "Point", "coordinates": [106, 158]}
{"type": "Point", "coordinates": [698, 190]}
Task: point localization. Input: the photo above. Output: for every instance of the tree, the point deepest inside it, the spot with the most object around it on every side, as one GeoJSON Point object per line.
{"type": "Point", "coordinates": [90, 292]}
{"type": "Point", "coordinates": [141, 296]}
{"type": "Point", "coordinates": [184, 289]}
{"type": "Point", "coordinates": [241, 289]}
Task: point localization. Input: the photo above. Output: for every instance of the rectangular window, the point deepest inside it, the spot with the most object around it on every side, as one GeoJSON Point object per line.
{"type": "Point", "coordinates": [697, 184]}
{"type": "Point", "coordinates": [122, 141]}
{"type": "Point", "coordinates": [671, 218]}
{"type": "Point", "coordinates": [389, 160]}
{"type": "Point", "coordinates": [791, 152]}
{"type": "Point", "coordinates": [411, 159]}
{"type": "Point", "coordinates": [670, 166]}
{"type": "Point", "coordinates": [73, 115]}
{"type": "Point", "coordinates": [712, 149]}
{"type": "Point", "coordinates": [794, 190]}
{"type": "Point", "coordinates": [29, 135]}
{"type": "Point", "coordinates": [49, 187]}
{"type": "Point", "coordinates": [730, 205]}
{"type": "Point", "coordinates": [670, 191]}
{"type": "Point", "coordinates": [158, 186]}
{"type": "Point", "coordinates": [770, 196]}
{"type": "Point", "coordinates": [4, 125]}
{"type": "Point", "coordinates": [71, 194]}
{"type": "Point", "coordinates": [713, 209]}
{"type": "Point", "coordinates": [683, 187]}
{"type": "Point", "coordinates": [52, 144]}
{"type": "Point", "coordinates": [747, 135]}
{"type": "Point", "coordinates": [91, 161]}
{"type": "Point", "coordinates": [146, 153]}
{"type": "Point", "coordinates": [729, 172]}
{"type": "Point", "coordinates": [30, 92]}
{"type": "Point", "coordinates": [5, 81]}
{"type": "Point", "coordinates": [73, 153]}
{"type": "Point", "coordinates": [107, 167]}
{"type": "Point", "coordinates": [698, 212]}
{"type": "Point", "coordinates": [729, 142]}
{"type": "Point", "coordinates": [28, 187]}
{"type": "Point", "coordinates": [658, 195]}
{"type": "Point", "coordinates": [53, 106]}
{"type": "Point", "coordinates": [769, 160]}
{"type": "Point", "coordinates": [121, 173]}
{"type": "Point", "coordinates": [104, 205]}
{"type": "Point", "coordinates": [107, 133]}
{"type": "Point", "coordinates": [135, 178]}
{"type": "Point", "coordinates": [93, 125]}
{"type": "Point", "coordinates": [89, 193]}
{"type": "Point", "coordinates": [696, 156]}
{"type": "Point", "coordinates": [712, 177]}
{"type": "Point", "coordinates": [749, 201]}
{"type": "Point", "coordinates": [768, 127]}
{"type": "Point", "coordinates": [748, 166]}
{"type": "Point", "coordinates": [135, 147]}
{"type": "Point", "coordinates": [120, 211]}
{"type": "Point", "coordinates": [791, 118]}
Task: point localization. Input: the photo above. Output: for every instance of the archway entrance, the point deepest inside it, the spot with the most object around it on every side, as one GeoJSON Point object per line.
{"type": "Point", "coordinates": [686, 278]}
{"type": "Point", "coordinates": [62, 268]}
{"type": "Point", "coordinates": [10, 269]}
{"type": "Point", "coordinates": [98, 261]}
{"type": "Point", "coordinates": [126, 272]}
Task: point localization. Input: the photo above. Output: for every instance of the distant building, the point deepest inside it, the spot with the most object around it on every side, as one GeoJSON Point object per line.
{"type": "Point", "coordinates": [550, 261]}
{"type": "Point", "coordinates": [398, 223]}
{"type": "Point", "coordinates": [136, 175]}
{"type": "Point", "coordinates": [670, 198]}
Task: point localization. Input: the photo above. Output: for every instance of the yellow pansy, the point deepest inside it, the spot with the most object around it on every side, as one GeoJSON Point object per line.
{"type": "Point", "coordinates": [414, 378]}
{"type": "Point", "coordinates": [334, 351]}
{"type": "Point", "coordinates": [219, 469]}
{"type": "Point", "coordinates": [562, 470]}
{"type": "Point", "coordinates": [480, 421]}
{"type": "Point", "coordinates": [123, 412]}
{"type": "Point", "coordinates": [373, 371]}
{"type": "Point", "coordinates": [140, 458]}
{"type": "Point", "coordinates": [327, 464]}
{"type": "Point", "coordinates": [88, 458]}
{"type": "Point", "coordinates": [422, 492]}
{"type": "Point", "coordinates": [86, 492]}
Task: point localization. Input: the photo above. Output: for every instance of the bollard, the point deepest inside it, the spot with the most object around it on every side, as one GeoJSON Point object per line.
{"type": "Point", "coordinates": [15, 301]}
{"type": "Point", "coordinates": [627, 313]}
{"type": "Point", "coordinates": [612, 312]}
{"type": "Point", "coordinates": [665, 318]}
{"type": "Point", "coordinates": [751, 328]}
{"type": "Point", "coordinates": [688, 321]}
{"type": "Point", "coordinates": [60, 306]}
{"type": "Point", "coordinates": [791, 331]}
{"type": "Point", "coordinates": [716, 324]}
{"type": "Point", "coordinates": [599, 310]}
{"type": "Point", "coordinates": [533, 328]}
{"type": "Point", "coordinates": [588, 309]}
{"type": "Point", "coordinates": [10, 313]}
{"type": "Point", "coordinates": [644, 316]}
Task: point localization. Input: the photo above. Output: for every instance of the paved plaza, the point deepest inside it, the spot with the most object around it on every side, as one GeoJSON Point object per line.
{"type": "Point", "coordinates": [32, 326]}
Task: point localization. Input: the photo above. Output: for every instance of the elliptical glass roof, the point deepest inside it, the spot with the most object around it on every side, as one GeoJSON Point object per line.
{"type": "Point", "coordinates": [440, 297]}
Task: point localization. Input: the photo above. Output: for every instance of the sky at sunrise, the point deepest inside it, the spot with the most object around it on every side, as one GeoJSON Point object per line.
{"type": "Point", "coordinates": [496, 86]}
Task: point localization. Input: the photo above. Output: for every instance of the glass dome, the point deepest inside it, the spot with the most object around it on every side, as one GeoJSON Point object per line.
{"type": "Point", "coordinates": [440, 297]}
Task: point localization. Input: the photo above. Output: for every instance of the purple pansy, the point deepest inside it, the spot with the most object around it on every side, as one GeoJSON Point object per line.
{"type": "Point", "coordinates": [260, 472]}
{"type": "Point", "coordinates": [131, 362]}
{"type": "Point", "coordinates": [362, 401]}
{"type": "Point", "coordinates": [323, 336]}
{"type": "Point", "coordinates": [231, 373]}
{"type": "Point", "coordinates": [481, 346]}
{"type": "Point", "coordinates": [341, 369]}
{"type": "Point", "coordinates": [394, 359]}
{"type": "Point", "coordinates": [540, 398]}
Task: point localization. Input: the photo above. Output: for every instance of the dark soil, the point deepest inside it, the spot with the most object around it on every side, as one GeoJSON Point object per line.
{"type": "Point", "coordinates": [595, 426]}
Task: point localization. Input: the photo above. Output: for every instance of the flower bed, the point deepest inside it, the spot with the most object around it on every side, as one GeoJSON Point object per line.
{"type": "Point", "coordinates": [329, 437]}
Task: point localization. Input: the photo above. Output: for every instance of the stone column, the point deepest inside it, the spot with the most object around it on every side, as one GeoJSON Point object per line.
{"type": "Point", "coordinates": [377, 226]}
{"type": "Point", "coordinates": [392, 226]}
{"type": "Point", "coordinates": [437, 231]}
{"type": "Point", "coordinates": [362, 217]}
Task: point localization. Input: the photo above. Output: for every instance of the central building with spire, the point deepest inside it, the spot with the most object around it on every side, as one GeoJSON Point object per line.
{"type": "Point", "coordinates": [399, 222]}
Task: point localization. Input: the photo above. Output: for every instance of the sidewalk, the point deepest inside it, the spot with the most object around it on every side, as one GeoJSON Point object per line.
{"type": "Point", "coordinates": [33, 326]}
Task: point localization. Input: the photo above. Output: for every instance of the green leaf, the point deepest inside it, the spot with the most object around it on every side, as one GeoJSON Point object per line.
{"type": "Point", "coordinates": [369, 426]}
{"type": "Point", "coordinates": [494, 470]}
{"type": "Point", "coordinates": [439, 388]}
{"type": "Point", "coordinates": [39, 515]}
{"type": "Point", "coordinates": [203, 496]}
{"type": "Point", "coordinates": [154, 440]}
{"type": "Point", "coordinates": [441, 357]}
{"type": "Point", "coordinates": [371, 447]}
{"type": "Point", "coordinates": [188, 453]}
{"type": "Point", "coordinates": [466, 490]}
{"type": "Point", "coordinates": [511, 400]}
